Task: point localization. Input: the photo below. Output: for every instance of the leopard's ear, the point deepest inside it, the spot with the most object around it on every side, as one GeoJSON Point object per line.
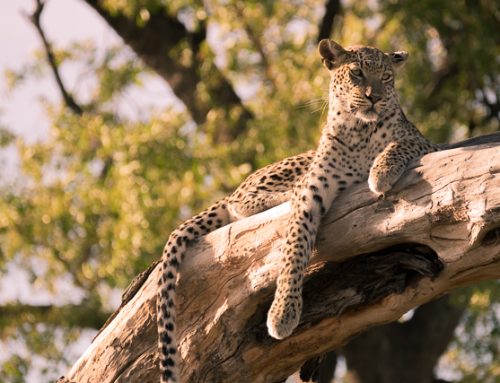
{"type": "Point", "coordinates": [398, 59]}
{"type": "Point", "coordinates": [332, 54]}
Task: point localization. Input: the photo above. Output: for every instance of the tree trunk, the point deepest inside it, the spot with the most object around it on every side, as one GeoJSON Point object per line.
{"type": "Point", "coordinates": [438, 229]}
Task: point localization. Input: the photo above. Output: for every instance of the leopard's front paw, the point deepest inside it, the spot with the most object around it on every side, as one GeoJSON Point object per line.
{"type": "Point", "coordinates": [283, 316]}
{"type": "Point", "coordinates": [379, 183]}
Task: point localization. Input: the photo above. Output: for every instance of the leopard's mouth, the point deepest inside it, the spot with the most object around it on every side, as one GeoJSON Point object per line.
{"type": "Point", "coordinates": [368, 114]}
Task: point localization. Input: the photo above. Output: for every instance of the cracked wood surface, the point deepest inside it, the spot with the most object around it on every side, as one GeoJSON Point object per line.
{"type": "Point", "coordinates": [438, 229]}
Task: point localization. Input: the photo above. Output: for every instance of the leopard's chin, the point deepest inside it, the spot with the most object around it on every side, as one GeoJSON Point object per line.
{"type": "Point", "coordinates": [368, 115]}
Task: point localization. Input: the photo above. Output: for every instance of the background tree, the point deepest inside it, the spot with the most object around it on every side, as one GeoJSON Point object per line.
{"type": "Point", "coordinates": [98, 198]}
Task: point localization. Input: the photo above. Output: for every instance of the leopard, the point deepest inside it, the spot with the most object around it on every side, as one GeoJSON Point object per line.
{"type": "Point", "coordinates": [366, 138]}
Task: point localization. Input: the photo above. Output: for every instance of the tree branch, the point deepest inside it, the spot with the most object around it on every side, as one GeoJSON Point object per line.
{"type": "Point", "coordinates": [333, 9]}
{"type": "Point", "coordinates": [158, 43]}
{"type": "Point", "coordinates": [35, 19]}
{"type": "Point", "coordinates": [391, 353]}
{"type": "Point", "coordinates": [437, 230]}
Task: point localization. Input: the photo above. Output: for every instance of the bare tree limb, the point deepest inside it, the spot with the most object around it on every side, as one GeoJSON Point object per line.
{"type": "Point", "coordinates": [396, 352]}
{"type": "Point", "coordinates": [439, 229]}
{"type": "Point", "coordinates": [35, 19]}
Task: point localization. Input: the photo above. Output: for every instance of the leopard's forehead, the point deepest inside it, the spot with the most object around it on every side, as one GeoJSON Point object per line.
{"type": "Point", "coordinates": [368, 56]}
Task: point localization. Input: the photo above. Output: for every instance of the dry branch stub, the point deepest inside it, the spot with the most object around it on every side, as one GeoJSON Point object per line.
{"type": "Point", "coordinates": [377, 258]}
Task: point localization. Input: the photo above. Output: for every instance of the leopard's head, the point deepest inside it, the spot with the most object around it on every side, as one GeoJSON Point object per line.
{"type": "Point", "coordinates": [362, 78]}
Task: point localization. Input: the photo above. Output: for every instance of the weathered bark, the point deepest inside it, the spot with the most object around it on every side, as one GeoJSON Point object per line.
{"type": "Point", "coordinates": [439, 229]}
{"type": "Point", "coordinates": [395, 352]}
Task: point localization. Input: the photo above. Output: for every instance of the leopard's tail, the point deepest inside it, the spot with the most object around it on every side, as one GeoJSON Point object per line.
{"type": "Point", "coordinates": [207, 221]}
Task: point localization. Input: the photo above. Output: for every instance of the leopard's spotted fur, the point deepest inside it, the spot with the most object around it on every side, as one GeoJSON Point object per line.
{"type": "Point", "coordinates": [367, 136]}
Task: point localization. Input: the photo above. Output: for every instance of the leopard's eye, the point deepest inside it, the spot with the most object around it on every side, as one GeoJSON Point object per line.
{"type": "Point", "coordinates": [386, 77]}
{"type": "Point", "coordinates": [356, 72]}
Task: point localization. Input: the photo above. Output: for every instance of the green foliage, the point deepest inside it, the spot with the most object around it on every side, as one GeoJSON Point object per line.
{"type": "Point", "coordinates": [458, 42]}
{"type": "Point", "coordinates": [474, 355]}
{"type": "Point", "coordinates": [6, 137]}
{"type": "Point", "coordinates": [98, 198]}
{"type": "Point", "coordinates": [37, 345]}
{"type": "Point", "coordinates": [14, 370]}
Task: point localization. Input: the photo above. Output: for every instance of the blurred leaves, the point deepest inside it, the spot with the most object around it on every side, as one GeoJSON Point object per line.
{"type": "Point", "coordinates": [474, 355]}
{"type": "Point", "coordinates": [14, 369]}
{"type": "Point", "coordinates": [6, 137]}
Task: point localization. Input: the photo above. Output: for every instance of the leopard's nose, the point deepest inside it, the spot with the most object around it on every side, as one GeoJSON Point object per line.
{"type": "Point", "coordinates": [373, 97]}
{"type": "Point", "coordinates": [372, 94]}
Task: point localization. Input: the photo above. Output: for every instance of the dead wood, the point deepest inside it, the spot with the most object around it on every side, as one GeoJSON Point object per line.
{"type": "Point", "coordinates": [439, 229]}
